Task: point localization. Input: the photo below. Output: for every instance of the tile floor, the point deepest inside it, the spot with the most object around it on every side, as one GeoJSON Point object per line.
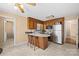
{"type": "Point", "coordinates": [52, 50]}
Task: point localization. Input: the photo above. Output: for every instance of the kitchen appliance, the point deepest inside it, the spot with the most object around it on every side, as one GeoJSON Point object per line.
{"type": "Point", "coordinates": [57, 33]}
{"type": "Point", "coordinates": [48, 27]}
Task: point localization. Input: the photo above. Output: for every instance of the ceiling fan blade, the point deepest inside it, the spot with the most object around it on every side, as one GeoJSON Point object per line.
{"type": "Point", "coordinates": [20, 7]}
{"type": "Point", "coordinates": [33, 4]}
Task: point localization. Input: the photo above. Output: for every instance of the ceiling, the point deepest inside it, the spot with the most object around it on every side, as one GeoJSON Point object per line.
{"type": "Point", "coordinates": [42, 10]}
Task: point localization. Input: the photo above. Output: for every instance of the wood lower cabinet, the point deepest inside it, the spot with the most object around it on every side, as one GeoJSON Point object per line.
{"type": "Point", "coordinates": [41, 42]}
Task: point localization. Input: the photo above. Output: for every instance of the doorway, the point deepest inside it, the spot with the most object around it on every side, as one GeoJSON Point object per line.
{"type": "Point", "coordinates": [9, 32]}
{"type": "Point", "coordinates": [71, 31]}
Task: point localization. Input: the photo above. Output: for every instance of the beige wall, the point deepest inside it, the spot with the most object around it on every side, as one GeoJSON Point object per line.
{"type": "Point", "coordinates": [20, 27]}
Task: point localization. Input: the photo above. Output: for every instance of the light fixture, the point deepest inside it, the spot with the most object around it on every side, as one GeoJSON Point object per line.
{"type": "Point", "coordinates": [50, 17]}
{"type": "Point", "coordinates": [20, 7]}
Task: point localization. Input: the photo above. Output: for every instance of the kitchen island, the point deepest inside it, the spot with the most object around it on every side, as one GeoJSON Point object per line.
{"type": "Point", "coordinates": [39, 40]}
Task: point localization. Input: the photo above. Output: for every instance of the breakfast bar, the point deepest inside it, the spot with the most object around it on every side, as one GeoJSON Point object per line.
{"type": "Point", "coordinates": [39, 40]}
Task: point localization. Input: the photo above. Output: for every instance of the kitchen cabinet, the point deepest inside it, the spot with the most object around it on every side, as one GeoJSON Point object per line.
{"type": "Point", "coordinates": [52, 22]}
{"type": "Point", "coordinates": [32, 24]}
{"type": "Point", "coordinates": [43, 42]}
{"type": "Point", "coordinates": [39, 40]}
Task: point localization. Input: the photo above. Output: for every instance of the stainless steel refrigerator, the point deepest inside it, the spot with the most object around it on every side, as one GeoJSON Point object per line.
{"type": "Point", "coordinates": [58, 33]}
{"type": "Point", "coordinates": [1, 34]}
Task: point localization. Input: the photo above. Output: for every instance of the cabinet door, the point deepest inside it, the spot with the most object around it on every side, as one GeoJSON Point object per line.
{"type": "Point", "coordinates": [31, 24]}
{"type": "Point", "coordinates": [34, 24]}
{"type": "Point", "coordinates": [43, 42]}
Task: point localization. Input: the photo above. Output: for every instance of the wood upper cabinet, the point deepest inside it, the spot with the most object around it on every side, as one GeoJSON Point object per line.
{"type": "Point", "coordinates": [53, 21]}
{"type": "Point", "coordinates": [32, 24]}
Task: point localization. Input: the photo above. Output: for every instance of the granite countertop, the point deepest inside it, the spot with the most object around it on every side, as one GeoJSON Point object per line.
{"type": "Point", "coordinates": [40, 35]}
{"type": "Point", "coordinates": [36, 33]}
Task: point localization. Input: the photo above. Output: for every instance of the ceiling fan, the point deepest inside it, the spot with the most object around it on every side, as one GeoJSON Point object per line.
{"type": "Point", "coordinates": [21, 7]}
{"type": "Point", "coordinates": [50, 17]}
